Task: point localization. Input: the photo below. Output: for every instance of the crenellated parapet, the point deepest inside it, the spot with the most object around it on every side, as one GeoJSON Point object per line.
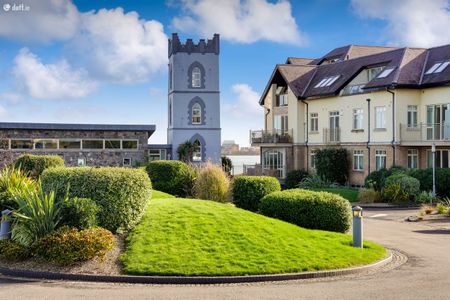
{"type": "Point", "coordinates": [210, 46]}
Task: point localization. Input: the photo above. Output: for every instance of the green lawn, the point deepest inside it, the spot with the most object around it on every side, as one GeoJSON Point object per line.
{"type": "Point", "coordinates": [160, 195]}
{"type": "Point", "coordinates": [197, 237]}
{"type": "Point", "coordinates": [347, 193]}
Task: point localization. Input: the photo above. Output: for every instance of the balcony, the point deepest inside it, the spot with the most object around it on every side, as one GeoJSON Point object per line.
{"type": "Point", "coordinates": [332, 135]}
{"type": "Point", "coordinates": [424, 133]}
{"type": "Point", "coordinates": [271, 136]}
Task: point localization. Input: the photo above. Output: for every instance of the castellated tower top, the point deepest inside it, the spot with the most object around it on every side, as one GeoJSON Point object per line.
{"type": "Point", "coordinates": [211, 46]}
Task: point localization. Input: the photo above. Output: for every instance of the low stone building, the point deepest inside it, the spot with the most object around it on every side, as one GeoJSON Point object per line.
{"type": "Point", "coordinates": [78, 144]}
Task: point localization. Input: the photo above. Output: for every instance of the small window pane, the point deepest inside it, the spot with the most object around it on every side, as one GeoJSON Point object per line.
{"type": "Point", "coordinates": [45, 144]}
{"type": "Point", "coordinates": [21, 144]}
{"type": "Point", "coordinates": [112, 144]}
{"type": "Point", "coordinates": [75, 144]}
{"type": "Point", "coordinates": [92, 144]}
{"type": "Point", "coordinates": [129, 144]}
{"type": "Point", "coordinates": [127, 162]}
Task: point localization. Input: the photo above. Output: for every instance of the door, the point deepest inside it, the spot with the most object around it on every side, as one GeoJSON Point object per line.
{"type": "Point", "coordinates": [334, 126]}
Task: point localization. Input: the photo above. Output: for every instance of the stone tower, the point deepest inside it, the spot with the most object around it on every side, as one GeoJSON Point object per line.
{"type": "Point", "coordinates": [194, 97]}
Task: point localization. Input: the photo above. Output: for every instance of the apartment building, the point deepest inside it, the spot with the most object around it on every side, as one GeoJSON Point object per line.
{"type": "Point", "coordinates": [387, 106]}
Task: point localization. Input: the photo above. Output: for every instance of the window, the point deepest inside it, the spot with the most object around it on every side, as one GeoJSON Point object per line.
{"type": "Point", "coordinates": [314, 122]}
{"type": "Point", "coordinates": [358, 160]}
{"type": "Point", "coordinates": [170, 112]}
{"type": "Point", "coordinates": [280, 123]}
{"type": "Point", "coordinates": [45, 144]}
{"type": "Point", "coordinates": [412, 116]}
{"type": "Point", "coordinates": [92, 144]}
{"type": "Point", "coordinates": [69, 144]}
{"type": "Point", "coordinates": [358, 118]}
{"type": "Point", "coordinates": [4, 144]}
{"type": "Point", "coordinates": [380, 117]}
{"type": "Point", "coordinates": [413, 159]}
{"type": "Point", "coordinates": [442, 159]}
{"type": "Point", "coordinates": [127, 162]}
{"type": "Point", "coordinates": [170, 77]}
{"type": "Point", "coordinates": [21, 144]}
{"type": "Point", "coordinates": [327, 81]}
{"type": "Point", "coordinates": [157, 154]}
{"type": "Point", "coordinates": [385, 73]}
{"type": "Point", "coordinates": [373, 72]}
{"type": "Point", "coordinates": [273, 163]}
{"type": "Point", "coordinates": [380, 159]}
{"type": "Point", "coordinates": [196, 114]}
{"type": "Point", "coordinates": [438, 67]}
{"type": "Point", "coordinates": [81, 162]}
{"type": "Point", "coordinates": [282, 100]}
{"type": "Point", "coordinates": [112, 144]}
{"type": "Point", "coordinates": [313, 158]}
{"type": "Point", "coordinates": [197, 154]}
{"type": "Point", "coordinates": [196, 77]}
{"type": "Point", "coordinates": [129, 144]}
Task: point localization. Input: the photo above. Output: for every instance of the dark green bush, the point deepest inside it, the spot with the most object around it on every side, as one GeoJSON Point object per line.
{"type": "Point", "coordinates": [68, 245]}
{"type": "Point", "coordinates": [249, 190]}
{"type": "Point", "coordinates": [376, 179]}
{"type": "Point", "coordinates": [294, 177]}
{"type": "Point", "coordinates": [34, 165]}
{"type": "Point", "coordinates": [425, 176]}
{"type": "Point", "coordinates": [79, 212]}
{"type": "Point", "coordinates": [170, 176]}
{"type": "Point", "coordinates": [410, 185]}
{"type": "Point", "coordinates": [395, 193]}
{"type": "Point", "coordinates": [308, 209]}
{"type": "Point", "coordinates": [227, 165]}
{"type": "Point", "coordinates": [333, 165]}
{"type": "Point", "coordinates": [121, 193]}
{"type": "Point", "coordinates": [11, 250]}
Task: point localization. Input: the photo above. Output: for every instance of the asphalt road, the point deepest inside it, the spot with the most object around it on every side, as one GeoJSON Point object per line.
{"type": "Point", "coordinates": [425, 275]}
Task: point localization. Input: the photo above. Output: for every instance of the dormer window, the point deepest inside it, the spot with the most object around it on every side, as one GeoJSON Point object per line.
{"type": "Point", "coordinates": [385, 73]}
{"type": "Point", "coordinates": [327, 81]}
{"type": "Point", "coordinates": [438, 67]}
{"type": "Point", "coordinates": [196, 77]}
{"type": "Point", "coordinates": [373, 72]}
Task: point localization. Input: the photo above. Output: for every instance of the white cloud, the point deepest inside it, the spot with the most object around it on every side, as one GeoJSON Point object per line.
{"type": "Point", "coordinates": [11, 98]}
{"type": "Point", "coordinates": [120, 47]}
{"type": "Point", "coordinates": [49, 81]}
{"type": "Point", "coordinates": [242, 21]}
{"type": "Point", "coordinates": [45, 21]}
{"type": "Point", "coordinates": [2, 111]}
{"type": "Point", "coordinates": [247, 102]}
{"type": "Point", "coordinates": [409, 22]}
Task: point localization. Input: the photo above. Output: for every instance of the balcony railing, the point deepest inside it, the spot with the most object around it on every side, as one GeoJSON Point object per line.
{"type": "Point", "coordinates": [353, 89]}
{"type": "Point", "coordinates": [331, 135]}
{"type": "Point", "coordinates": [271, 136]}
{"type": "Point", "coordinates": [258, 170]}
{"type": "Point", "coordinates": [425, 132]}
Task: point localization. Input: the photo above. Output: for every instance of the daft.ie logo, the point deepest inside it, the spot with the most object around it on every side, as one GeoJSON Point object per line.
{"type": "Point", "coordinates": [16, 7]}
{"type": "Point", "coordinates": [6, 7]}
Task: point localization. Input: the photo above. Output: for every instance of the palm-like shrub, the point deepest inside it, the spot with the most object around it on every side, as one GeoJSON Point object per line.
{"type": "Point", "coordinates": [37, 216]}
{"type": "Point", "coordinates": [212, 184]}
{"type": "Point", "coordinates": [13, 179]}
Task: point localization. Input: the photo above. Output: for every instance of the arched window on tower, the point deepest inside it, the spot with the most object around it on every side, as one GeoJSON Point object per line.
{"type": "Point", "coordinates": [197, 153]}
{"type": "Point", "coordinates": [196, 77]}
{"type": "Point", "coordinates": [196, 114]}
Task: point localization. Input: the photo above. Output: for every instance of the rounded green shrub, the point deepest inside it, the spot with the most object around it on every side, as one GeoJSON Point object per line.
{"type": "Point", "coordinates": [425, 176]}
{"type": "Point", "coordinates": [395, 193]}
{"type": "Point", "coordinates": [308, 209]}
{"type": "Point", "coordinates": [121, 193]}
{"type": "Point", "coordinates": [11, 250]}
{"type": "Point", "coordinates": [170, 176]}
{"type": "Point", "coordinates": [34, 165]}
{"type": "Point", "coordinates": [212, 184]}
{"type": "Point", "coordinates": [249, 190]}
{"type": "Point", "coordinates": [79, 212]}
{"type": "Point", "coordinates": [410, 185]}
{"type": "Point", "coordinates": [68, 245]}
{"type": "Point", "coordinates": [294, 177]}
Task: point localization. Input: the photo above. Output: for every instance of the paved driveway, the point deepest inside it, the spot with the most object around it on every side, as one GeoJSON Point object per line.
{"type": "Point", "coordinates": [426, 274]}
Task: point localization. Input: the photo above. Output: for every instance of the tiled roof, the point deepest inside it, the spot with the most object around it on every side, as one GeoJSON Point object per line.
{"type": "Point", "coordinates": [82, 127]}
{"type": "Point", "coordinates": [409, 67]}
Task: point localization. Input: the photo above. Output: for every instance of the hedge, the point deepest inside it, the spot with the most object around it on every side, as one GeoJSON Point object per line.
{"type": "Point", "coordinates": [170, 176]}
{"type": "Point", "coordinates": [121, 193]}
{"type": "Point", "coordinates": [332, 164]}
{"type": "Point", "coordinates": [308, 209]}
{"type": "Point", "coordinates": [34, 165]}
{"type": "Point", "coordinates": [409, 185]}
{"type": "Point", "coordinates": [425, 176]}
{"type": "Point", "coordinates": [294, 177]}
{"type": "Point", "coordinates": [249, 190]}
{"type": "Point", "coordinates": [79, 212]}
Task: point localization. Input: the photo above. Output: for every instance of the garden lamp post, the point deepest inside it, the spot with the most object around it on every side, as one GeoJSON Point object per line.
{"type": "Point", "coordinates": [357, 227]}
{"type": "Point", "coordinates": [5, 225]}
{"type": "Point", "coordinates": [433, 153]}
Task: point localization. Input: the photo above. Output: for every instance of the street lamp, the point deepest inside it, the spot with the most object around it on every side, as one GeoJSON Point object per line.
{"type": "Point", "coordinates": [433, 151]}
{"type": "Point", "coordinates": [357, 227]}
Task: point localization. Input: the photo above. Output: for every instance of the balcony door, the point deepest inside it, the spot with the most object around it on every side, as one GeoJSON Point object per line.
{"type": "Point", "coordinates": [436, 119]}
{"type": "Point", "coordinates": [334, 126]}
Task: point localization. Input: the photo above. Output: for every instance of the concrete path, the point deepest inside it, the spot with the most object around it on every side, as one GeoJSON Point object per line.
{"type": "Point", "coordinates": [426, 274]}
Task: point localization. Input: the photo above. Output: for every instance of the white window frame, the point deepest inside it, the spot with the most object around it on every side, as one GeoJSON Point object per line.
{"type": "Point", "coordinates": [314, 123]}
{"type": "Point", "coordinates": [312, 157]}
{"type": "Point", "coordinates": [274, 160]}
{"type": "Point", "coordinates": [196, 114]}
{"type": "Point", "coordinates": [358, 119]}
{"type": "Point", "coordinates": [196, 77]}
{"type": "Point", "coordinates": [197, 155]}
{"type": "Point", "coordinates": [380, 117]}
{"type": "Point", "coordinates": [127, 164]}
{"type": "Point", "coordinates": [380, 159]}
{"type": "Point", "coordinates": [358, 160]}
{"type": "Point", "coordinates": [411, 117]}
{"type": "Point", "coordinates": [81, 162]}
{"type": "Point", "coordinates": [413, 159]}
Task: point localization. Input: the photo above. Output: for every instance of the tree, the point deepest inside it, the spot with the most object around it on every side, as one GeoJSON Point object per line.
{"type": "Point", "coordinates": [186, 150]}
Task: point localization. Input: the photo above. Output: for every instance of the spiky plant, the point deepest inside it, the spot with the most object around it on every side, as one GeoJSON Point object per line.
{"type": "Point", "coordinates": [12, 179]}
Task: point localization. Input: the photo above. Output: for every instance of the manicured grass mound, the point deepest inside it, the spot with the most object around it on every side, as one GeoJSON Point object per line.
{"type": "Point", "coordinates": [34, 165]}
{"type": "Point", "coordinates": [346, 193]}
{"type": "Point", "coordinates": [170, 176]}
{"type": "Point", "coordinates": [121, 193]}
{"type": "Point", "coordinates": [308, 209]}
{"type": "Point", "coordinates": [249, 190]}
{"type": "Point", "coordinates": [199, 237]}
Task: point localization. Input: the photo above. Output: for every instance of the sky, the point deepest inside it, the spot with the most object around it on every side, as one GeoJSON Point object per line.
{"type": "Point", "coordinates": [87, 61]}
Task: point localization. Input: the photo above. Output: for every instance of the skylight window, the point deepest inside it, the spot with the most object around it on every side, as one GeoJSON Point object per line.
{"type": "Point", "coordinates": [438, 67]}
{"type": "Point", "coordinates": [327, 81]}
{"type": "Point", "coordinates": [385, 73]}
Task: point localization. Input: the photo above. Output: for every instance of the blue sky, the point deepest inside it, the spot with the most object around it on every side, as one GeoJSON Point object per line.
{"type": "Point", "coordinates": [106, 61]}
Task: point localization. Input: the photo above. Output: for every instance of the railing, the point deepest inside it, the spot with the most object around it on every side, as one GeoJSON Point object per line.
{"type": "Point", "coordinates": [353, 89]}
{"type": "Point", "coordinates": [331, 135]}
{"type": "Point", "coordinates": [425, 132]}
{"type": "Point", "coordinates": [258, 170]}
{"type": "Point", "coordinates": [271, 136]}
